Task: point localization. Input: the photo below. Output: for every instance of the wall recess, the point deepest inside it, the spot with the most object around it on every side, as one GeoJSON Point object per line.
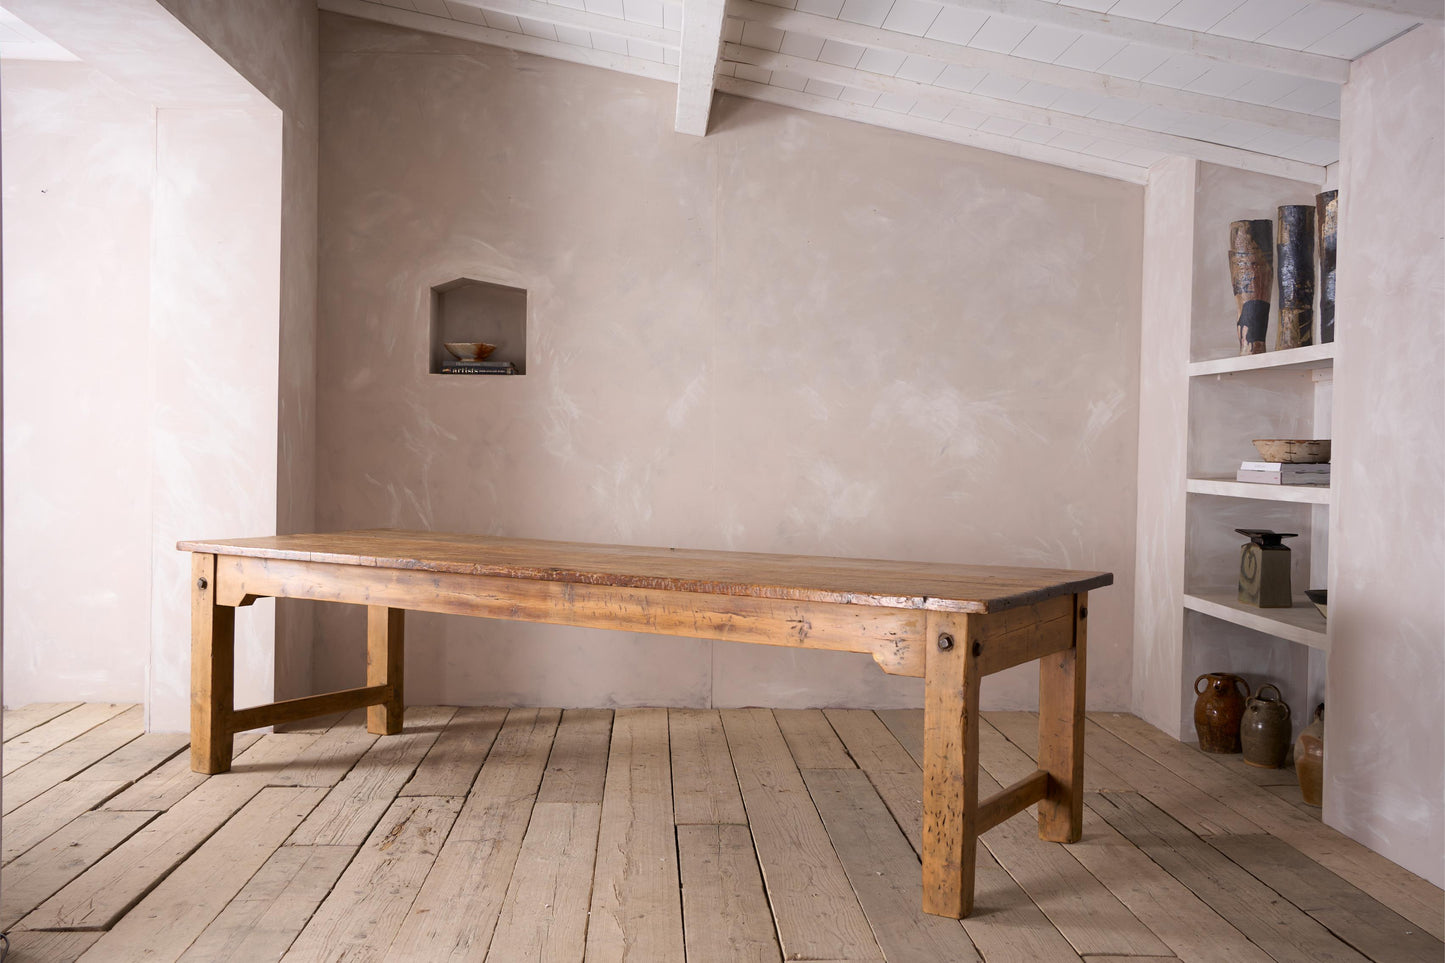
{"type": "Point", "coordinates": [466, 309]}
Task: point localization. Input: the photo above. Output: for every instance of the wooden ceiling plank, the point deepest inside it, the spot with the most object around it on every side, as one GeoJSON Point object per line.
{"type": "Point", "coordinates": [1194, 42]}
{"type": "Point", "coordinates": [1026, 113]}
{"type": "Point", "coordinates": [501, 38]}
{"type": "Point", "coordinates": [702, 24]}
{"type": "Point", "coordinates": [1422, 10]}
{"type": "Point", "coordinates": [557, 14]}
{"type": "Point", "coordinates": [934, 129]}
{"type": "Point", "coordinates": [1069, 78]}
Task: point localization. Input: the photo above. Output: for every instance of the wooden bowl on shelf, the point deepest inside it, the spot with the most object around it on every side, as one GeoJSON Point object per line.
{"type": "Point", "coordinates": [469, 350]}
{"type": "Point", "coordinates": [1294, 451]}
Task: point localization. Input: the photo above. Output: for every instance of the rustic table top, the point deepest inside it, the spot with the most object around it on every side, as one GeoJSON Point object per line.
{"type": "Point", "coordinates": [919, 585]}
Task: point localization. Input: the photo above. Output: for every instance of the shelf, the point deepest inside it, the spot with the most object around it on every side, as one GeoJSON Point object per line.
{"type": "Point", "coordinates": [1229, 488]}
{"type": "Point", "coordinates": [1300, 359]}
{"type": "Point", "coordinates": [1302, 623]}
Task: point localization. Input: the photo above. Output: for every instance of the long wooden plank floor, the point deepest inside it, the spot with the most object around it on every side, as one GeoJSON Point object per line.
{"type": "Point", "coordinates": [654, 835]}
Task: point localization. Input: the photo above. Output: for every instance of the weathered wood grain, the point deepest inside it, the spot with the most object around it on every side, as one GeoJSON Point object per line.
{"type": "Point", "coordinates": [25, 718]}
{"type": "Point", "coordinates": [170, 782]}
{"type": "Point", "coordinates": [817, 914]}
{"type": "Point", "coordinates": [64, 761]}
{"type": "Point", "coordinates": [46, 868]}
{"type": "Point", "coordinates": [41, 739]}
{"type": "Point", "coordinates": [330, 756]}
{"type": "Point", "coordinates": [875, 581]}
{"type": "Point", "coordinates": [1022, 729]}
{"type": "Point", "coordinates": [704, 786]}
{"type": "Point", "coordinates": [1343, 909]}
{"type": "Point", "coordinates": [811, 739]}
{"type": "Point", "coordinates": [950, 764]}
{"type": "Point", "coordinates": [636, 910]}
{"type": "Point", "coordinates": [103, 893]}
{"type": "Point", "coordinates": [351, 809]}
{"type": "Point", "coordinates": [455, 912]}
{"type": "Point", "coordinates": [1061, 733]}
{"type": "Point", "coordinates": [458, 754]}
{"type": "Point", "coordinates": [272, 908]}
{"type": "Point", "coordinates": [577, 767]}
{"type": "Point", "coordinates": [1416, 899]}
{"type": "Point", "coordinates": [884, 870]}
{"type": "Point", "coordinates": [40, 946]}
{"type": "Point", "coordinates": [869, 743]}
{"type": "Point", "coordinates": [50, 811]}
{"type": "Point", "coordinates": [213, 670]}
{"type": "Point", "coordinates": [359, 918]}
{"type": "Point", "coordinates": [180, 908]}
{"type": "Point", "coordinates": [724, 909]}
{"type": "Point", "coordinates": [1281, 930]}
{"type": "Point", "coordinates": [544, 914]}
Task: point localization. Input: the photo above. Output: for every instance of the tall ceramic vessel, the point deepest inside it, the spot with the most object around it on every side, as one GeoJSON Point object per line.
{"type": "Point", "coordinates": [1327, 216]}
{"type": "Point", "coordinates": [1251, 269]}
{"type": "Point", "coordinates": [1296, 255]}
{"type": "Point", "coordinates": [1218, 710]}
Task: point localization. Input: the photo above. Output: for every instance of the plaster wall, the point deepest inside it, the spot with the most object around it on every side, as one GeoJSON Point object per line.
{"type": "Point", "coordinates": [1385, 717]}
{"type": "Point", "coordinates": [1169, 201]}
{"type": "Point", "coordinates": [273, 44]}
{"type": "Point", "coordinates": [210, 355]}
{"type": "Point", "coordinates": [79, 160]}
{"type": "Point", "coordinates": [797, 334]}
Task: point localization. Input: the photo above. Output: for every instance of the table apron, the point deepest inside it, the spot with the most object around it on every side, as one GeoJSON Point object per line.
{"type": "Point", "coordinates": [893, 636]}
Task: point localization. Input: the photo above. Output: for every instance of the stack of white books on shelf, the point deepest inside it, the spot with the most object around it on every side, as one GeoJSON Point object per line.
{"type": "Point", "coordinates": [1283, 473]}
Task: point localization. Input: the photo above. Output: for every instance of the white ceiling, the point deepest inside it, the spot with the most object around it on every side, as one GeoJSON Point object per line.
{"type": "Point", "coordinates": [1107, 86]}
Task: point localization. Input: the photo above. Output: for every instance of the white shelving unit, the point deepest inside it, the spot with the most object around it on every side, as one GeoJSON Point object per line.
{"type": "Point", "coordinates": [1229, 488]}
{"type": "Point", "coordinates": [1301, 624]}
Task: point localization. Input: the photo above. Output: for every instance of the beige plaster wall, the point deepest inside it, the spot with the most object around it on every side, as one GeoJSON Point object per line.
{"type": "Point", "coordinates": [1385, 721]}
{"type": "Point", "coordinates": [1169, 213]}
{"type": "Point", "coordinates": [798, 334]}
{"type": "Point", "coordinates": [273, 44]}
{"type": "Point", "coordinates": [79, 159]}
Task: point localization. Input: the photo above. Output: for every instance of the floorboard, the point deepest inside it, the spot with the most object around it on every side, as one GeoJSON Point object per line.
{"type": "Point", "coordinates": [661, 835]}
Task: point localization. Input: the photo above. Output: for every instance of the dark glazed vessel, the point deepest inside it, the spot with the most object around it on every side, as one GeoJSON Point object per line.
{"type": "Point", "coordinates": [1264, 730]}
{"type": "Point", "coordinates": [1309, 759]}
{"type": "Point", "coordinates": [1218, 710]}
{"type": "Point", "coordinates": [1327, 216]}
{"type": "Point", "coordinates": [1251, 270]}
{"type": "Point", "coordinates": [1296, 257]}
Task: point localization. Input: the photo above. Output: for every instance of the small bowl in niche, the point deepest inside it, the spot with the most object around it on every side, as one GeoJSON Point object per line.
{"type": "Point", "coordinates": [1321, 599]}
{"type": "Point", "coordinates": [469, 350]}
{"type": "Point", "coordinates": [1294, 451]}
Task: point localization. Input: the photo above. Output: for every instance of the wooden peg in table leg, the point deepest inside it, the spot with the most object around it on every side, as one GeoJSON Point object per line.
{"type": "Point", "coordinates": [1061, 734]}
{"type": "Point", "coordinates": [950, 764]}
{"type": "Point", "coordinates": [213, 666]}
{"type": "Point", "coordinates": [385, 661]}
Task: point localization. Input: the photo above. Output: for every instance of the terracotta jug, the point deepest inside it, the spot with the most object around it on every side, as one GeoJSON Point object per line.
{"type": "Point", "coordinates": [1218, 710]}
{"type": "Point", "coordinates": [1309, 759]}
{"type": "Point", "coordinates": [1264, 730]}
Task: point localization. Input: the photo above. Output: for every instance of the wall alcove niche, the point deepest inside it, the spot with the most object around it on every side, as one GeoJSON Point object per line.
{"type": "Point", "coordinates": [466, 309]}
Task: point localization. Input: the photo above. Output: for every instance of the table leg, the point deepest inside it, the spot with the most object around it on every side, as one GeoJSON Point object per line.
{"type": "Point", "coordinates": [213, 666]}
{"type": "Point", "coordinates": [950, 764]}
{"type": "Point", "coordinates": [1061, 735]}
{"type": "Point", "coordinates": [385, 661]}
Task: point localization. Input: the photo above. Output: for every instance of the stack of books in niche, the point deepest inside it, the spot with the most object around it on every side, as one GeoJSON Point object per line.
{"type": "Point", "coordinates": [479, 367]}
{"type": "Point", "coordinates": [1284, 473]}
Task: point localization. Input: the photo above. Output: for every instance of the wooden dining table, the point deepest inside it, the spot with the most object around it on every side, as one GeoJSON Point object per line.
{"type": "Point", "coordinates": [947, 623]}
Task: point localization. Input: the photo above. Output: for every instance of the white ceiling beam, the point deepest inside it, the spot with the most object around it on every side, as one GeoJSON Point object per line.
{"type": "Point", "coordinates": [501, 38]}
{"type": "Point", "coordinates": [1025, 113]}
{"type": "Point", "coordinates": [558, 15]}
{"type": "Point", "coordinates": [1423, 10]}
{"type": "Point", "coordinates": [1068, 78]}
{"type": "Point", "coordinates": [702, 23]}
{"type": "Point", "coordinates": [935, 129]}
{"type": "Point", "coordinates": [1196, 43]}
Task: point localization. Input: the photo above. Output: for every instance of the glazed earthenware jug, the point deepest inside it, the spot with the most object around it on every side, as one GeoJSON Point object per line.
{"type": "Point", "coordinates": [1218, 710]}
{"type": "Point", "coordinates": [1309, 759]}
{"type": "Point", "coordinates": [1264, 730]}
